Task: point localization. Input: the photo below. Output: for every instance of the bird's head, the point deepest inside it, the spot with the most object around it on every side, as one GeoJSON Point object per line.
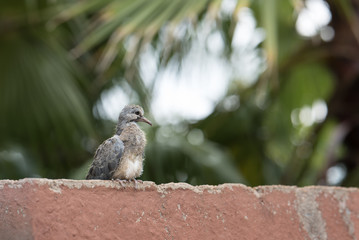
{"type": "Point", "coordinates": [132, 113]}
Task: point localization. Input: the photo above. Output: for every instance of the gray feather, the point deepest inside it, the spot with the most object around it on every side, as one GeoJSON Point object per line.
{"type": "Point", "coordinates": [106, 159]}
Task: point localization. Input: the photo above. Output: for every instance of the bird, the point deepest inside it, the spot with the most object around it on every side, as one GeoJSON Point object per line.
{"type": "Point", "coordinates": [121, 156]}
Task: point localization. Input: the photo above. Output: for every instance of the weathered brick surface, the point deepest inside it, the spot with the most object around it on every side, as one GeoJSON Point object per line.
{"type": "Point", "coordinates": [69, 209]}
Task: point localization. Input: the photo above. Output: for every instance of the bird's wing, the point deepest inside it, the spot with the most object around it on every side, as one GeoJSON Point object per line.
{"type": "Point", "coordinates": [106, 159]}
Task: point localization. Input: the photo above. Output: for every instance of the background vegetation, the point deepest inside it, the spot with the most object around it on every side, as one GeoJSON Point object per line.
{"type": "Point", "coordinates": [296, 122]}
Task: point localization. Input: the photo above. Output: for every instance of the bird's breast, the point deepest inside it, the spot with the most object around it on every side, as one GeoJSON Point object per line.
{"type": "Point", "coordinates": [130, 167]}
{"type": "Point", "coordinates": [133, 137]}
{"type": "Point", "coordinates": [134, 168]}
{"type": "Point", "coordinates": [131, 163]}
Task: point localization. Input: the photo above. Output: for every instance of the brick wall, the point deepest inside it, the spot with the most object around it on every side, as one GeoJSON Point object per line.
{"type": "Point", "coordinates": [69, 209]}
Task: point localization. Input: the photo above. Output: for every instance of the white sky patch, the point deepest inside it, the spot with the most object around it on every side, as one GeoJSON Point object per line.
{"type": "Point", "coordinates": [192, 92]}
{"type": "Point", "coordinates": [228, 6]}
{"type": "Point", "coordinates": [308, 115]}
{"type": "Point", "coordinates": [244, 34]}
{"type": "Point", "coordinates": [319, 111]}
{"type": "Point", "coordinates": [336, 174]}
{"type": "Point", "coordinates": [215, 43]}
{"type": "Point", "coordinates": [149, 66]}
{"type": "Point", "coordinates": [112, 102]}
{"type": "Point", "coordinates": [305, 116]}
{"type": "Point", "coordinates": [313, 17]}
{"type": "Point", "coordinates": [246, 60]}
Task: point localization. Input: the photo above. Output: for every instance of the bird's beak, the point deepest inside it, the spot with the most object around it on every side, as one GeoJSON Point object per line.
{"type": "Point", "coordinates": [143, 119]}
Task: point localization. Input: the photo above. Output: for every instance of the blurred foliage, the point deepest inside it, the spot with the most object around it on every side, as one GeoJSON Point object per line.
{"type": "Point", "coordinates": [59, 57]}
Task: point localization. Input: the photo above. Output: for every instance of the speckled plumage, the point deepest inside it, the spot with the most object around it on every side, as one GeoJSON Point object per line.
{"type": "Point", "coordinates": [121, 156]}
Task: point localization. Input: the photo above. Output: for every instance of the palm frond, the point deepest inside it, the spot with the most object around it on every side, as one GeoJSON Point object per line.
{"type": "Point", "coordinates": [117, 21]}
{"type": "Point", "coordinates": [42, 104]}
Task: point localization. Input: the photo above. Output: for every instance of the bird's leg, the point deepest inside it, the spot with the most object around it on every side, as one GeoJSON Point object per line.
{"type": "Point", "coordinates": [136, 182]}
{"type": "Point", "coordinates": [121, 181]}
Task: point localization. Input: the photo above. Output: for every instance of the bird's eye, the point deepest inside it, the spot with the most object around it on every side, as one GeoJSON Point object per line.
{"type": "Point", "coordinates": [137, 112]}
